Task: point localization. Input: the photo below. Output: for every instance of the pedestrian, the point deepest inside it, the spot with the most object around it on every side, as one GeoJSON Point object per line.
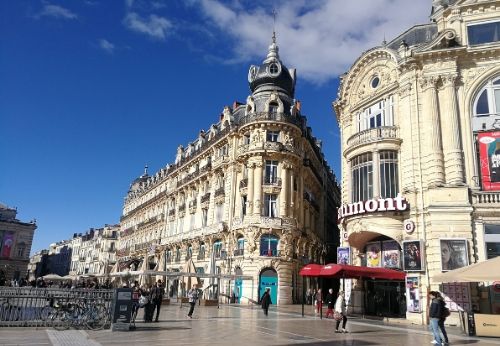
{"type": "Point", "coordinates": [157, 293]}
{"type": "Point", "coordinates": [148, 305]}
{"type": "Point", "coordinates": [330, 301]}
{"type": "Point", "coordinates": [435, 314]}
{"type": "Point", "coordinates": [265, 300]}
{"type": "Point", "coordinates": [445, 312]}
{"type": "Point", "coordinates": [340, 313]}
{"type": "Point", "coordinates": [308, 296]}
{"type": "Point", "coordinates": [193, 296]}
{"type": "Point", "coordinates": [319, 301]}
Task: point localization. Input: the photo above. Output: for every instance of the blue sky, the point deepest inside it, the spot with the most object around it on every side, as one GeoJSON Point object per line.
{"type": "Point", "coordinates": [91, 91]}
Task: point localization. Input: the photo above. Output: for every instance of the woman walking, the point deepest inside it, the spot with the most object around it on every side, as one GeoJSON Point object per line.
{"type": "Point", "coordinates": [265, 301]}
{"type": "Point", "coordinates": [319, 301]}
{"type": "Point", "coordinates": [340, 313]}
{"type": "Point", "coordinates": [193, 297]}
{"type": "Point", "coordinates": [330, 301]}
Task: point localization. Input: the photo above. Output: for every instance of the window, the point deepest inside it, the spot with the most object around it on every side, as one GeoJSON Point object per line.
{"type": "Point", "coordinates": [362, 177]}
{"type": "Point", "coordinates": [379, 114]}
{"type": "Point", "coordinates": [273, 108]}
{"type": "Point", "coordinates": [492, 250]}
{"type": "Point", "coordinates": [181, 225]}
{"type": "Point", "coordinates": [219, 211]}
{"type": "Point", "coordinates": [483, 33]}
{"type": "Point", "coordinates": [270, 205]}
{"type": "Point", "coordinates": [218, 248]}
{"type": "Point", "coordinates": [240, 247]}
{"type": "Point", "coordinates": [375, 82]}
{"type": "Point", "coordinates": [191, 221]}
{"type": "Point", "coordinates": [243, 205]}
{"type": "Point", "coordinates": [21, 248]}
{"type": "Point", "coordinates": [271, 172]}
{"type": "Point", "coordinates": [189, 252]}
{"type": "Point", "coordinates": [486, 107]}
{"type": "Point", "coordinates": [274, 69]}
{"type": "Point", "coordinates": [204, 217]}
{"type": "Point", "coordinates": [389, 183]}
{"type": "Point", "coordinates": [246, 138]}
{"type": "Point", "coordinates": [201, 252]}
{"type": "Point", "coordinates": [492, 240]}
{"type": "Point", "coordinates": [272, 136]}
{"type": "Point", "coordinates": [269, 245]}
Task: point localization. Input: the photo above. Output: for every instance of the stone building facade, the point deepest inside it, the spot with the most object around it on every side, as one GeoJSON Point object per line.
{"type": "Point", "coordinates": [16, 238]}
{"type": "Point", "coordinates": [420, 119]}
{"type": "Point", "coordinates": [253, 192]}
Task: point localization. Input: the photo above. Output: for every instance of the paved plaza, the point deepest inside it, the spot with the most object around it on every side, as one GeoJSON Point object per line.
{"type": "Point", "coordinates": [235, 325]}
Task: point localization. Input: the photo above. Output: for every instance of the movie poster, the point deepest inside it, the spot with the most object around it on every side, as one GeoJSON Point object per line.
{"type": "Point", "coordinates": [453, 254]}
{"type": "Point", "coordinates": [343, 255]}
{"type": "Point", "coordinates": [489, 154]}
{"type": "Point", "coordinates": [391, 254]}
{"type": "Point", "coordinates": [412, 255]}
{"type": "Point", "coordinates": [7, 244]}
{"type": "Point", "coordinates": [373, 254]}
{"type": "Point", "coordinates": [412, 294]}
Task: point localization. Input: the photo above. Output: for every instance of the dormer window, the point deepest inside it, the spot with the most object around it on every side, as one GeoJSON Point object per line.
{"type": "Point", "coordinates": [274, 69]}
{"type": "Point", "coordinates": [483, 33]}
{"type": "Point", "coordinates": [273, 108]}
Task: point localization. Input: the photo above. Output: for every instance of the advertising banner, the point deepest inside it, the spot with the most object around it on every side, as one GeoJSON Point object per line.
{"type": "Point", "coordinates": [453, 254]}
{"type": "Point", "coordinates": [373, 254]}
{"type": "Point", "coordinates": [489, 155]}
{"type": "Point", "coordinates": [7, 244]}
{"type": "Point", "coordinates": [412, 255]}
{"type": "Point", "coordinates": [391, 254]}
{"type": "Point", "coordinates": [343, 255]}
{"type": "Point", "coordinates": [412, 294]}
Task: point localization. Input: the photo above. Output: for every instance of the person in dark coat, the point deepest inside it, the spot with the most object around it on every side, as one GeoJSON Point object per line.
{"type": "Point", "coordinates": [330, 301]}
{"type": "Point", "coordinates": [265, 301]}
{"type": "Point", "coordinates": [435, 314]}
{"type": "Point", "coordinates": [157, 293]}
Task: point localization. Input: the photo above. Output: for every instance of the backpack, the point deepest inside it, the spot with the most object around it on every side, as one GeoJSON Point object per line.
{"type": "Point", "coordinates": [445, 313]}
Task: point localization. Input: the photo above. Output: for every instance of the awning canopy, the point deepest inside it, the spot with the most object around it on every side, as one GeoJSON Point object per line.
{"type": "Point", "coordinates": [479, 272]}
{"type": "Point", "coordinates": [311, 270]}
{"type": "Point", "coordinates": [352, 272]}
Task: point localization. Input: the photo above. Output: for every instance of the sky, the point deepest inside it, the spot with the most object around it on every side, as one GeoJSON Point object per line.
{"type": "Point", "coordinates": [92, 90]}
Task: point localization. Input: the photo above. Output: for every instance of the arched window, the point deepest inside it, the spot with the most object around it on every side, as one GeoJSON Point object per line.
{"type": "Point", "coordinates": [240, 247]}
{"type": "Point", "coordinates": [269, 245]}
{"type": "Point", "coordinates": [201, 252]}
{"type": "Point", "coordinates": [218, 248]}
{"type": "Point", "coordinates": [487, 106]}
{"type": "Point", "coordinates": [189, 252]}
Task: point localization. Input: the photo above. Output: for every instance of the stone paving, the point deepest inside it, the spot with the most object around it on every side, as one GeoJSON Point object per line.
{"type": "Point", "coordinates": [241, 326]}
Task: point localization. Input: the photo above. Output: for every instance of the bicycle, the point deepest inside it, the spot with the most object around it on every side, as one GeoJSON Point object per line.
{"type": "Point", "coordinates": [9, 312]}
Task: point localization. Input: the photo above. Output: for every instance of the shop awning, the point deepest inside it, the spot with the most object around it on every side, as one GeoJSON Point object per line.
{"type": "Point", "coordinates": [352, 272]}
{"type": "Point", "coordinates": [311, 270]}
{"type": "Point", "coordinates": [478, 272]}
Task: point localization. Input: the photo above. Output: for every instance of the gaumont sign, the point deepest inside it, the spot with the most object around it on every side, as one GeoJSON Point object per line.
{"type": "Point", "coordinates": [397, 203]}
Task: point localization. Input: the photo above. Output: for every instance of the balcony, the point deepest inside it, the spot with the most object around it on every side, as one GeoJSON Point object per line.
{"type": "Point", "coordinates": [373, 135]}
{"type": "Point", "coordinates": [205, 198]}
{"type": "Point", "coordinates": [269, 116]}
{"type": "Point", "coordinates": [484, 198]}
{"type": "Point", "coordinates": [270, 253]}
{"type": "Point", "coordinates": [239, 252]}
{"type": "Point", "coordinates": [272, 180]}
{"type": "Point", "coordinates": [219, 192]}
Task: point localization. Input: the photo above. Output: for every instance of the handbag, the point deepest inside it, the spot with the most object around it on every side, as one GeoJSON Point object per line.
{"type": "Point", "coordinates": [143, 300]}
{"type": "Point", "coordinates": [337, 316]}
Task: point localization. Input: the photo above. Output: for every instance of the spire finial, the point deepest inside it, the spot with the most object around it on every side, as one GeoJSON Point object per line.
{"type": "Point", "coordinates": [146, 169]}
{"type": "Point", "coordinates": [384, 42]}
{"type": "Point", "coordinates": [274, 24]}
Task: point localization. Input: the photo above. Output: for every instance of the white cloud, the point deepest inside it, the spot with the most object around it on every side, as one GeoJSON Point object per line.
{"type": "Point", "coordinates": [320, 38]}
{"type": "Point", "coordinates": [154, 26]}
{"type": "Point", "coordinates": [56, 11]}
{"type": "Point", "coordinates": [106, 45]}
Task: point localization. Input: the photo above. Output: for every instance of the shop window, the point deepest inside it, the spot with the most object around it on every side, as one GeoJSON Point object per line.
{"type": "Point", "coordinates": [362, 177]}
{"type": "Point", "coordinates": [389, 181]}
{"type": "Point", "coordinates": [483, 33]}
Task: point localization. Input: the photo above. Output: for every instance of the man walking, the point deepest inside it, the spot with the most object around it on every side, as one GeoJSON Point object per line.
{"type": "Point", "coordinates": [157, 293]}
{"type": "Point", "coordinates": [193, 296]}
{"type": "Point", "coordinates": [265, 301]}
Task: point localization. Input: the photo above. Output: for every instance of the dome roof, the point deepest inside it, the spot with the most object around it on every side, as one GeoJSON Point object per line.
{"type": "Point", "coordinates": [136, 184]}
{"type": "Point", "coordinates": [272, 74]}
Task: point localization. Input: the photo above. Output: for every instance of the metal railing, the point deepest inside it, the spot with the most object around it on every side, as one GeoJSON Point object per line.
{"type": "Point", "coordinates": [372, 135]}
{"type": "Point", "coordinates": [42, 307]}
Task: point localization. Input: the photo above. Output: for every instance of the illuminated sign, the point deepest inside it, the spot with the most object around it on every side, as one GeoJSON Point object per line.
{"type": "Point", "coordinates": [398, 203]}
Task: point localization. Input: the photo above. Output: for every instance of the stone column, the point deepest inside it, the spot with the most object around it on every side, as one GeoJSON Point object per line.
{"type": "Point", "coordinates": [291, 211]}
{"type": "Point", "coordinates": [284, 189]}
{"type": "Point", "coordinates": [257, 194]}
{"type": "Point", "coordinates": [453, 164]}
{"type": "Point", "coordinates": [250, 188]}
{"type": "Point", "coordinates": [300, 199]}
{"type": "Point", "coordinates": [433, 154]}
{"type": "Point", "coordinates": [376, 173]}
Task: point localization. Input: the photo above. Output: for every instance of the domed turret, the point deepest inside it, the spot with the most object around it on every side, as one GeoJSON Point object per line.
{"type": "Point", "coordinates": [272, 74]}
{"type": "Point", "coordinates": [136, 184]}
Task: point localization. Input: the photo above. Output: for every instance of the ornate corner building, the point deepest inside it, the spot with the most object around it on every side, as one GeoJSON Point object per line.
{"type": "Point", "coordinates": [254, 191]}
{"type": "Point", "coordinates": [420, 125]}
{"type": "Point", "coordinates": [16, 238]}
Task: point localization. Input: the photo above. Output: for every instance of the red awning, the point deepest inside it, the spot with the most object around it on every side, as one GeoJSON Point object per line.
{"type": "Point", "coordinates": [311, 270]}
{"type": "Point", "coordinates": [352, 272]}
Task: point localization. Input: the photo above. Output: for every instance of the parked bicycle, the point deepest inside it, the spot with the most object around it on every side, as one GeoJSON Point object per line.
{"type": "Point", "coordinates": [79, 314]}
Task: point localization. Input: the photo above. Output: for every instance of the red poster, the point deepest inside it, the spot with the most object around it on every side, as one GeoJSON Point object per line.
{"type": "Point", "coordinates": [8, 242]}
{"type": "Point", "coordinates": [489, 155]}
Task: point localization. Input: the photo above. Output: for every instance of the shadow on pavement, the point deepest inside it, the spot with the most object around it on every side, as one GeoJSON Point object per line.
{"type": "Point", "coordinates": [349, 342]}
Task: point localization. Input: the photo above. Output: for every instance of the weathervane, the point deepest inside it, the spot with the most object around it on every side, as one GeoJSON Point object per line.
{"type": "Point", "coordinates": [274, 24]}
